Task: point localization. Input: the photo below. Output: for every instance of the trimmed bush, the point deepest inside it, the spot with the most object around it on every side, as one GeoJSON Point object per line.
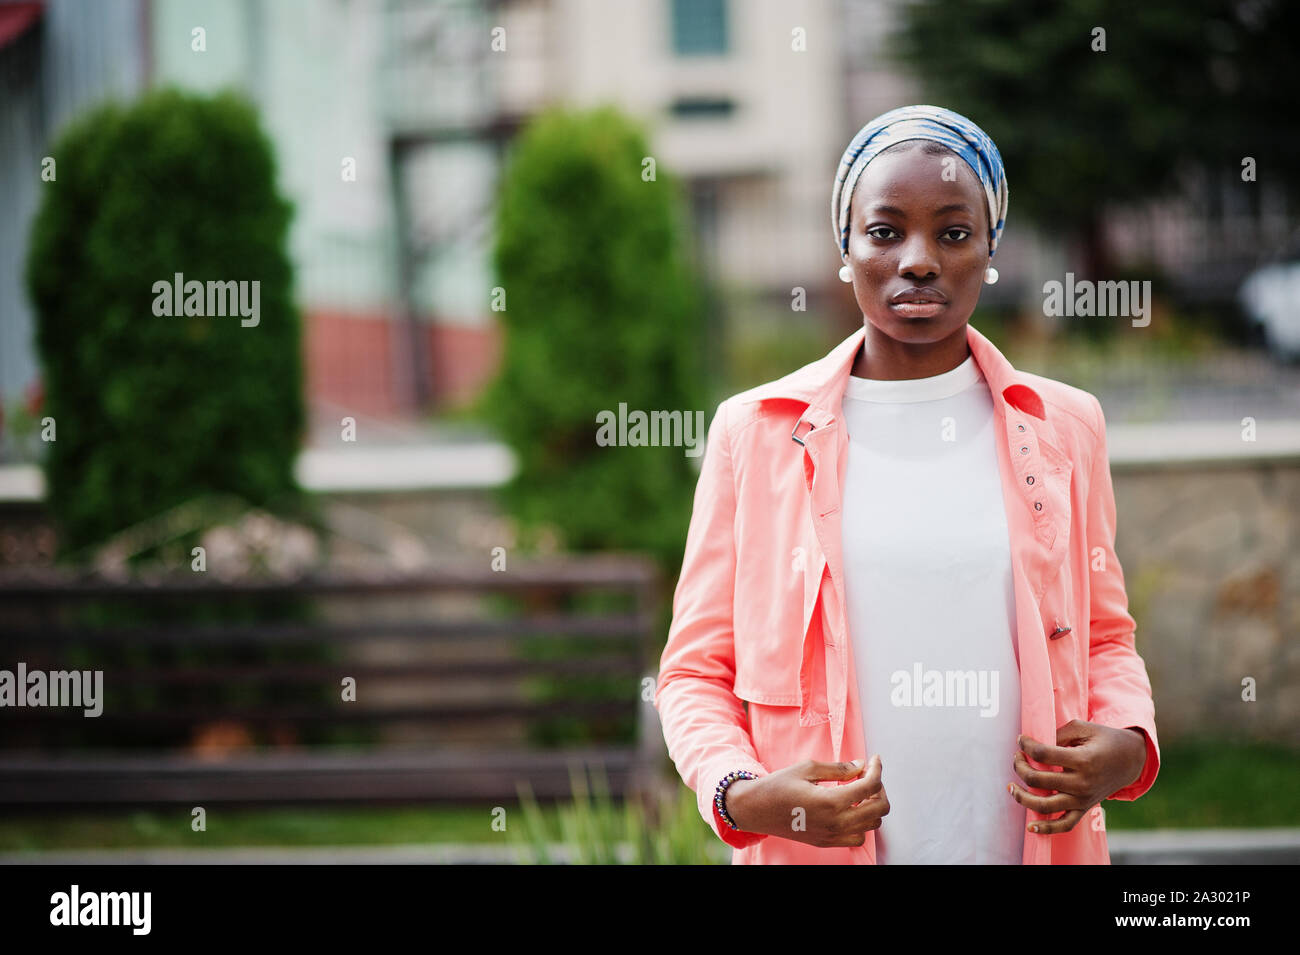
{"type": "Point", "coordinates": [155, 410]}
{"type": "Point", "coordinates": [601, 309]}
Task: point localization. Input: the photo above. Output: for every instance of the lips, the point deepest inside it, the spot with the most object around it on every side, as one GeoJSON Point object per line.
{"type": "Point", "coordinates": [922, 295]}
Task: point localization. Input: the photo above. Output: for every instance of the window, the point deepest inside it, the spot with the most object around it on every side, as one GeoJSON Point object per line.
{"type": "Point", "coordinates": [702, 107]}
{"type": "Point", "coordinates": [699, 27]}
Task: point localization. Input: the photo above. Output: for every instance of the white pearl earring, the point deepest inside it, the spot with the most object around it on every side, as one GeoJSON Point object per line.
{"type": "Point", "coordinates": [846, 274]}
{"type": "Point", "coordinates": [990, 275]}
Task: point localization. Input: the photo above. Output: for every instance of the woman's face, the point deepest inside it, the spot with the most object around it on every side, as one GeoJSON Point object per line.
{"type": "Point", "coordinates": [916, 235]}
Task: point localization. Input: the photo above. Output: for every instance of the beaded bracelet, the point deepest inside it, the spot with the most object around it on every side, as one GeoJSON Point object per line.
{"type": "Point", "coordinates": [720, 794]}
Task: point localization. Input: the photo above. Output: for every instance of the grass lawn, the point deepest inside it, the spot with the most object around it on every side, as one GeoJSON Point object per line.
{"type": "Point", "coordinates": [1202, 784]}
{"type": "Point", "coordinates": [304, 826]}
{"type": "Point", "coordinates": [1207, 784]}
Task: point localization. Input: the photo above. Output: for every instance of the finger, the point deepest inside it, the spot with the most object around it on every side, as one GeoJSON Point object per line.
{"type": "Point", "coordinates": [1074, 732]}
{"type": "Point", "coordinates": [1056, 802]}
{"type": "Point", "coordinates": [818, 771]}
{"type": "Point", "coordinates": [1043, 778]}
{"type": "Point", "coordinates": [846, 840]}
{"type": "Point", "coordinates": [867, 814]}
{"type": "Point", "coordinates": [1050, 827]}
{"type": "Point", "coordinates": [860, 789]}
{"type": "Point", "coordinates": [1065, 757]}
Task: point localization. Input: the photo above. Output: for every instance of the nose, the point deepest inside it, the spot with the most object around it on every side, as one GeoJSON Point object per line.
{"type": "Point", "coordinates": [918, 257]}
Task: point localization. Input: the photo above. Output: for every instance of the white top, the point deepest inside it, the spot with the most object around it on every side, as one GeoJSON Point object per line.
{"type": "Point", "coordinates": [931, 613]}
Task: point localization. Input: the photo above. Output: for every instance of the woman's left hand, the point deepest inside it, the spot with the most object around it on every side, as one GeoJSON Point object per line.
{"type": "Point", "coordinates": [1095, 761]}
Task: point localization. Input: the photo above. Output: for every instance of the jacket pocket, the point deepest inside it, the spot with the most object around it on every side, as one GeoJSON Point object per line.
{"type": "Point", "coordinates": [1064, 652]}
{"type": "Point", "coordinates": [778, 634]}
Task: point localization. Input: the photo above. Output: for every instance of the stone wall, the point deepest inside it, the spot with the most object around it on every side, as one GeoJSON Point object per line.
{"type": "Point", "coordinates": [1210, 551]}
{"type": "Point", "coordinates": [1211, 557]}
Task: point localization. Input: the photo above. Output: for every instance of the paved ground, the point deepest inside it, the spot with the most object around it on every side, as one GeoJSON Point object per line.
{"type": "Point", "coordinates": [326, 855]}
{"type": "Point", "coordinates": [1158, 847]}
{"type": "Point", "coordinates": [1206, 847]}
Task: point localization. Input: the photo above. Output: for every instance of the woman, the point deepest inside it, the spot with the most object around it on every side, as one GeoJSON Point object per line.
{"type": "Point", "coordinates": [906, 550]}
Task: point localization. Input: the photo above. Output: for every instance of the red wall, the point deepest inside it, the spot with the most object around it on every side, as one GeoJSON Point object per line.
{"type": "Point", "coordinates": [362, 362]}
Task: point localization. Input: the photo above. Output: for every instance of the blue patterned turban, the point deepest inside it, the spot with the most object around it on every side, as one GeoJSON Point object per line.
{"type": "Point", "coordinates": [920, 122]}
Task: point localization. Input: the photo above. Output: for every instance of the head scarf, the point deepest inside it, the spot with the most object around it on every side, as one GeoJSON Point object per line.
{"type": "Point", "coordinates": [920, 122]}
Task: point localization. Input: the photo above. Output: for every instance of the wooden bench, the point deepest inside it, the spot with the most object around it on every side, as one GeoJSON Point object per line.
{"type": "Point", "coordinates": [250, 712]}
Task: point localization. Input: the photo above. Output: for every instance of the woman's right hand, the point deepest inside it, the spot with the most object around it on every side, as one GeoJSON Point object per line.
{"type": "Point", "coordinates": [830, 816]}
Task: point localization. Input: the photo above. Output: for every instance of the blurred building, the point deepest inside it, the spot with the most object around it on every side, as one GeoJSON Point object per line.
{"type": "Point", "coordinates": [410, 97]}
{"type": "Point", "coordinates": [391, 120]}
{"type": "Point", "coordinates": [54, 59]}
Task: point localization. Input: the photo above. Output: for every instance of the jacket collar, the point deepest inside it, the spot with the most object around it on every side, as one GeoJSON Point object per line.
{"type": "Point", "coordinates": [820, 384]}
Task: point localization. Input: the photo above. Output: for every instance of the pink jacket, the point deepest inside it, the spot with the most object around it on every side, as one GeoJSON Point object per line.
{"type": "Point", "coordinates": [759, 608]}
